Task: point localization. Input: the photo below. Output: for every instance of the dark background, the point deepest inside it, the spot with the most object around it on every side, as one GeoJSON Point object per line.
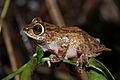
{"type": "Point", "coordinates": [100, 18]}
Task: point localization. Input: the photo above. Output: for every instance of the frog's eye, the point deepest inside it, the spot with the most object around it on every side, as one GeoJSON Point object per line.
{"type": "Point", "coordinates": [38, 29]}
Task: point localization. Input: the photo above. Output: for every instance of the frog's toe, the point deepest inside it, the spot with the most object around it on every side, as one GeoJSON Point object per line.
{"type": "Point", "coordinates": [77, 63]}
{"type": "Point", "coordinates": [54, 58]}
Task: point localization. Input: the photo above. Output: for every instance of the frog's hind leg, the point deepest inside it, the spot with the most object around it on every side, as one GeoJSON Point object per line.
{"type": "Point", "coordinates": [83, 62]}
{"type": "Point", "coordinates": [79, 64]}
{"type": "Point", "coordinates": [83, 50]}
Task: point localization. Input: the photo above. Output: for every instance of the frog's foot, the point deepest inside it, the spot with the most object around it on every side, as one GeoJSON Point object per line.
{"type": "Point", "coordinates": [79, 64]}
{"type": "Point", "coordinates": [82, 62]}
{"type": "Point", "coordinates": [55, 58]}
{"type": "Point", "coordinates": [85, 60]}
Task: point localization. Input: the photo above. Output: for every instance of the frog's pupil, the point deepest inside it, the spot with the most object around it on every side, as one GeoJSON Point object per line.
{"type": "Point", "coordinates": [37, 29]}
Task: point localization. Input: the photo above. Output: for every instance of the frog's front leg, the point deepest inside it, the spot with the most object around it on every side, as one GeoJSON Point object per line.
{"type": "Point", "coordinates": [57, 57]}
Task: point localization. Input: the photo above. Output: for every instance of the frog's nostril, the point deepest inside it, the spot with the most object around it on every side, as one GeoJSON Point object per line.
{"type": "Point", "coordinates": [25, 29]}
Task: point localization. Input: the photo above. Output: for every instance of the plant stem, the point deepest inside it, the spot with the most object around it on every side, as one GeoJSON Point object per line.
{"type": "Point", "coordinates": [14, 73]}
{"type": "Point", "coordinates": [4, 11]}
{"type": "Point", "coordinates": [5, 8]}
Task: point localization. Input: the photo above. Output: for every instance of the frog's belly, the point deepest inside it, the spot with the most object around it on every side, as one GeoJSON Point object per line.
{"type": "Point", "coordinates": [70, 52]}
{"type": "Point", "coordinates": [53, 47]}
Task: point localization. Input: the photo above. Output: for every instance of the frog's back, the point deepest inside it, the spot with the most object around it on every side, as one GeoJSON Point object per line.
{"type": "Point", "coordinates": [71, 32]}
{"type": "Point", "coordinates": [78, 39]}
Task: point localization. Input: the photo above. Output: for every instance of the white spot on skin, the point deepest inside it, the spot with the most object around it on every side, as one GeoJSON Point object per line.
{"type": "Point", "coordinates": [97, 39]}
{"type": "Point", "coordinates": [59, 38]}
{"type": "Point", "coordinates": [66, 39]}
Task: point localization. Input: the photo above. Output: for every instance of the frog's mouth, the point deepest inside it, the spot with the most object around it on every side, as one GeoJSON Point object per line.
{"type": "Point", "coordinates": [33, 36]}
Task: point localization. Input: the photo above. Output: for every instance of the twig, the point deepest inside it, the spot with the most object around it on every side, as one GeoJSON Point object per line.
{"type": "Point", "coordinates": [4, 11]}
{"type": "Point", "coordinates": [55, 12]}
{"type": "Point", "coordinates": [10, 49]}
{"type": "Point", "coordinates": [5, 8]}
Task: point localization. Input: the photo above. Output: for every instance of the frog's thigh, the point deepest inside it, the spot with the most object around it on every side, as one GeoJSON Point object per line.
{"type": "Point", "coordinates": [71, 52]}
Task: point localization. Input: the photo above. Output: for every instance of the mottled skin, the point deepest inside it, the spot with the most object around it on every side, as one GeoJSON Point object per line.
{"type": "Point", "coordinates": [65, 42]}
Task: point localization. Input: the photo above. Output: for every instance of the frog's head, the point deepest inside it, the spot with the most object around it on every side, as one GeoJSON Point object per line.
{"type": "Point", "coordinates": [35, 30]}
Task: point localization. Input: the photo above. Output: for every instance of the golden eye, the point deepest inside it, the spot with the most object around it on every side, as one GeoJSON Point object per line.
{"type": "Point", "coordinates": [38, 29]}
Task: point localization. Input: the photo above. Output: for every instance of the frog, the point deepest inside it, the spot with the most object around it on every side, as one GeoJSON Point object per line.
{"type": "Point", "coordinates": [64, 42]}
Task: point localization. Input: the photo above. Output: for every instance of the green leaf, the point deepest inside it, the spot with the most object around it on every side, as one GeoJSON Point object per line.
{"type": "Point", "coordinates": [10, 76]}
{"type": "Point", "coordinates": [28, 70]}
{"type": "Point", "coordinates": [99, 71]}
{"type": "Point", "coordinates": [29, 67]}
{"type": "Point", "coordinates": [32, 64]}
{"type": "Point", "coordinates": [40, 54]}
{"type": "Point", "coordinates": [69, 62]}
{"type": "Point", "coordinates": [96, 75]}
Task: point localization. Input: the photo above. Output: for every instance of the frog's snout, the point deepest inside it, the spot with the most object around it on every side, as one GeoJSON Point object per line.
{"type": "Point", "coordinates": [26, 29]}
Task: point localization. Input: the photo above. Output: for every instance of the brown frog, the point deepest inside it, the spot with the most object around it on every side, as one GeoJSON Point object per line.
{"type": "Point", "coordinates": [64, 42]}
